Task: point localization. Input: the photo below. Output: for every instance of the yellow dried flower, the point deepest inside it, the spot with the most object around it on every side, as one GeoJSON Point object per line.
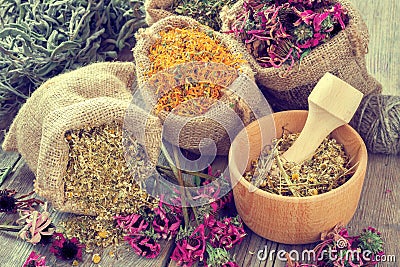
{"type": "Point", "coordinates": [102, 234]}
{"type": "Point", "coordinates": [96, 258]}
{"type": "Point", "coordinates": [75, 263]}
{"type": "Point", "coordinates": [295, 176]}
{"type": "Point", "coordinates": [313, 192]}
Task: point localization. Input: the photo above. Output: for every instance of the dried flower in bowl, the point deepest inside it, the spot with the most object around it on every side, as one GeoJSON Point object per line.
{"type": "Point", "coordinates": [326, 170]}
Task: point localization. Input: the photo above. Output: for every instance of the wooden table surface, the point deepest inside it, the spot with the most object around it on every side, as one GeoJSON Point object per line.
{"type": "Point", "coordinates": [380, 200]}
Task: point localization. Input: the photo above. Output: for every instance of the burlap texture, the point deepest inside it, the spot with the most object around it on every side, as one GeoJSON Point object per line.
{"type": "Point", "coordinates": [343, 56]}
{"type": "Point", "coordinates": [157, 10]}
{"type": "Point", "coordinates": [90, 96]}
{"type": "Point", "coordinates": [198, 128]}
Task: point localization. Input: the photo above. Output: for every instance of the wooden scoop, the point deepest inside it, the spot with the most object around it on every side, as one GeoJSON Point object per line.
{"type": "Point", "coordinates": [332, 103]}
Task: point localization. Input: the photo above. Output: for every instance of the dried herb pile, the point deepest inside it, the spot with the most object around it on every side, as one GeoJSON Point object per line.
{"type": "Point", "coordinates": [199, 91]}
{"type": "Point", "coordinates": [178, 46]}
{"type": "Point", "coordinates": [99, 180]}
{"type": "Point", "coordinates": [41, 39]}
{"type": "Point", "coordinates": [326, 170]}
{"type": "Point", "coordinates": [278, 32]}
{"type": "Point", "coordinates": [204, 11]}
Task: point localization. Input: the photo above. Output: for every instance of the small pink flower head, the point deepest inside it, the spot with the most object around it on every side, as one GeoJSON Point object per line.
{"type": "Point", "coordinates": [190, 249]}
{"type": "Point", "coordinates": [132, 224]}
{"type": "Point", "coordinates": [227, 233]}
{"type": "Point", "coordinates": [144, 246]}
{"type": "Point", "coordinates": [166, 224]}
{"type": "Point", "coordinates": [36, 226]}
{"type": "Point", "coordinates": [339, 13]}
{"type": "Point", "coordinates": [344, 233]}
{"type": "Point", "coordinates": [318, 19]}
{"type": "Point", "coordinates": [35, 260]}
{"type": "Point", "coordinates": [66, 249]}
{"type": "Point", "coordinates": [306, 16]}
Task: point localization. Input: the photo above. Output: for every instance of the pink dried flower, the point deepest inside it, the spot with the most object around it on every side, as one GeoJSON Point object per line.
{"type": "Point", "coordinates": [190, 249]}
{"type": "Point", "coordinates": [304, 2]}
{"type": "Point", "coordinates": [226, 233]}
{"type": "Point", "coordinates": [314, 41]}
{"type": "Point", "coordinates": [10, 204]}
{"type": "Point", "coordinates": [35, 260]}
{"type": "Point", "coordinates": [318, 19]}
{"type": "Point", "coordinates": [175, 206]}
{"type": "Point", "coordinates": [306, 16]}
{"type": "Point", "coordinates": [165, 223]}
{"type": "Point", "coordinates": [36, 226]}
{"type": "Point", "coordinates": [339, 14]}
{"type": "Point", "coordinates": [66, 249]}
{"type": "Point", "coordinates": [279, 33]}
{"type": "Point", "coordinates": [144, 246]}
{"type": "Point", "coordinates": [132, 224]}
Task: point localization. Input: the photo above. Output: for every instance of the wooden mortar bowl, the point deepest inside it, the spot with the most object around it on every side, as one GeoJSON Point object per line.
{"type": "Point", "coordinates": [293, 220]}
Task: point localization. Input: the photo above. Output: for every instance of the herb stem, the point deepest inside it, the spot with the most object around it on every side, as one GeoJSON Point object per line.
{"type": "Point", "coordinates": [199, 174]}
{"type": "Point", "coordinates": [178, 175]}
{"type": "Point", "coordinates": [292, 187]}
{"type": "Point", "coordinates": [10, 228]}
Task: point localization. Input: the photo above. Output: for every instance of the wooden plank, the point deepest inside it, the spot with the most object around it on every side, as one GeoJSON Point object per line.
{"type": "Point", "coordinates": [380, 202]}
{"type": "Point", "coordinates": [383, 59]}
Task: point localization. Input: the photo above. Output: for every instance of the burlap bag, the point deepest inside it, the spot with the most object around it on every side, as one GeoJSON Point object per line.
{"type": "Point", "coordinates": [343, 56]}
{"type": "Point", "coordinates": [201, 127]}
{"type": "Point", "coordinates": [90, 96]}
{"type": "Point", "coordinates": [157, 10]}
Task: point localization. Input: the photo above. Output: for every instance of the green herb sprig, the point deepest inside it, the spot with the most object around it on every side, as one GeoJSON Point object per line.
{"type": "Point", "coordinates": [205, 11]}
{"type": "Point", "coordinates": [41, 39]}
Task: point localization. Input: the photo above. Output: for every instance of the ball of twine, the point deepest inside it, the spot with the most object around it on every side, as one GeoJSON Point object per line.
{"type": "Point", "coordinates": [377, 120]}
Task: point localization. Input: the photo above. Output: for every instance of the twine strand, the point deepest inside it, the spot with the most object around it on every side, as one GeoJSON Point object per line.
{"type": "Point", "coordinates": [378, 122]}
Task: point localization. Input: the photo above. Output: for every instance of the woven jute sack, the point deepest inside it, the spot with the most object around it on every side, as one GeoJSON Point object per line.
{"type": "Point", "coordinates": [90, 96]}
{"type": "Point", "coordinates": [343, 56]}
{"type": "Point", "coordinates": [200, 127]}
{"type": "Point", "coordinates": [157, 10]}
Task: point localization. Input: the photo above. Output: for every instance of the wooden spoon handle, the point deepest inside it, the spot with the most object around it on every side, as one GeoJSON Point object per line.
{"type": "Point", "coordinates": [332, 103]}
{"type": "Point", "coordinates": [319, 124]}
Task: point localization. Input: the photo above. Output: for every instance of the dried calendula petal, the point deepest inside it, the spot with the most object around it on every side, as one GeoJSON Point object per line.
{"type": "Point", "coordinates": [177, 46]}
{"type": "Point", "coordinates": [75, 263]}
{"type": "Point", "coordinates": [96, 258]}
